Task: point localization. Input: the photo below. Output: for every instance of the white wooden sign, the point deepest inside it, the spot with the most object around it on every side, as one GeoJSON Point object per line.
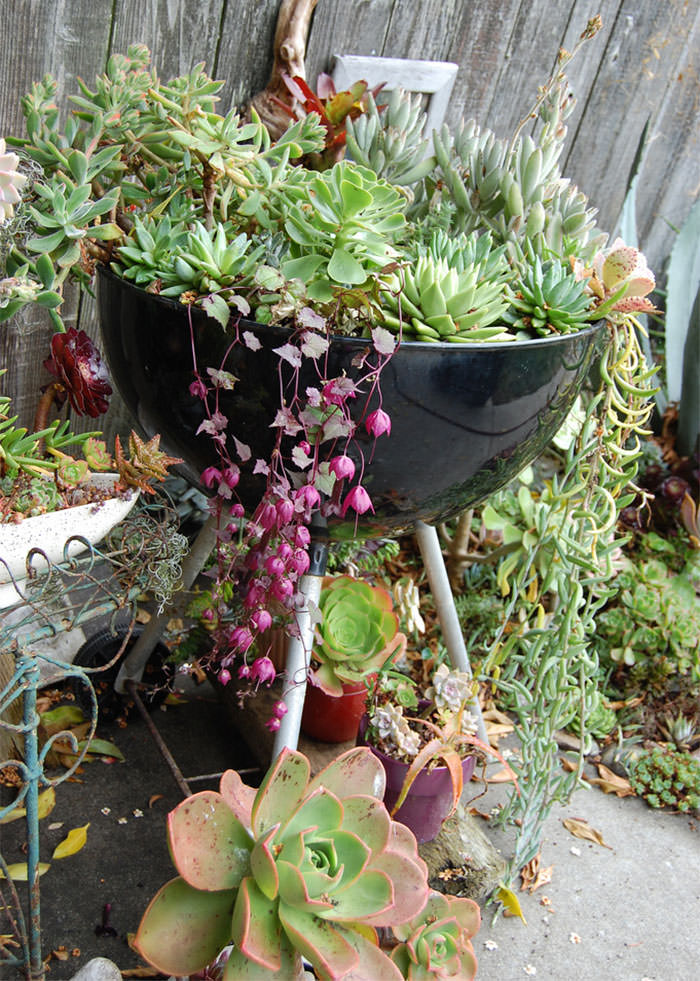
{"type": "Point", "coordinates": [433, 78]}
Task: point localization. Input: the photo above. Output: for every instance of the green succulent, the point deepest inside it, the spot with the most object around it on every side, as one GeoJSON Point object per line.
{"type": "Point", "coordinates": [667, 778]}
{"type": "Point", "coordinates": [36, 496]}
{"type": "Point", "coordinates": [548, 299]}
{"type": "Point", "coordinates": [390, 140]}
{"type": "Point", "coordinates": [651, 628]}
{"type": "Point", "coordinates": [451, 293]}
{"type": "Point", "coordinates": [342, 229]}
{"type": "Point", "coordinates": [358, 633]}
{"type": "Point", "coordinates": [437, 943]}
{"type": "Point", "coordinates": [302, 866]}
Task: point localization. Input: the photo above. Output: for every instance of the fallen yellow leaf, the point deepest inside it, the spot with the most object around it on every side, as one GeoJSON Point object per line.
{"type": "Point", "coordinates": [46, 803]}
{"type": "Point", "coordinates": [18, 872]}
{"type": "Point", "coordinates": [72, 843]}
{"type": "Point", "coordinates": [582, 829]}
{"type": "Point", "coordinates": [511, 903]}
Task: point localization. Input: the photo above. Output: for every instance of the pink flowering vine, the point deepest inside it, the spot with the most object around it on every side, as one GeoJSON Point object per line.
{"type": "Point", "coordinates": [260, 561]}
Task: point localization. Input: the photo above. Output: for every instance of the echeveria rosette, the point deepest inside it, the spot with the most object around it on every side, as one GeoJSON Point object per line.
{"type": "Point", "coordinates": [437, 943]}
{"type": "Point", "coordinates": [358, 633]}
{"type": "Point", "coordinates": [303, 866]}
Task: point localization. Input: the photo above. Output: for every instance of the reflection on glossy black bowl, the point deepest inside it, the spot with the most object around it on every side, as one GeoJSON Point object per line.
{"type": "Point", "coordinates": [465, 418]}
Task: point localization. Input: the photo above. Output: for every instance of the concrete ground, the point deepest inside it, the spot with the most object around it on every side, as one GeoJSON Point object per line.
{"type": "Point", "coordinates": [630, 912]}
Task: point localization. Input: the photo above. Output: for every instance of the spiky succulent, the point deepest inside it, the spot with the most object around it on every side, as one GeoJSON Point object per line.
{"type": "Point", "coordinates": [450, 293]}
{"type": "Point", "coordinates": [359, 632]}
{"type": "Point", "coordinates": [548, 299]}
{"type": "Point", "coordinates": [390, 140]}
{"type": "Point", "coordinates": [146, 462]}
{"type": "Point", "coordinates": [303, 866]}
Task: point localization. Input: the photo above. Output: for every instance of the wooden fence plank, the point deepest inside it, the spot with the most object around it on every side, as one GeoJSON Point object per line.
{"type": "Point", "coordinates": [349, 27]}
{"type": "Point", "coordinates": [650, 46]}
{"type": "Point", "coordinates": [245, 50]}
{"type": "Point", "coordinates": [67, 39]}
{"type": "Point", "coordinates": [179, 34]}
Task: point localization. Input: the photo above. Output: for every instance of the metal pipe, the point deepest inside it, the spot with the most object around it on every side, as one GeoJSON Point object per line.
{"type": "Point", "coordinates": [158, 739]}
{"type": "Point", "coordinates": [299, 648]}
{"type": "Point", "coordinates": [431, 553]}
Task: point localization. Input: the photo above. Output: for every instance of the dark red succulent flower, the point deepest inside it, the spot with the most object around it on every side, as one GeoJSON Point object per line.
{"type": "Point", "coordinates": [77, 364]}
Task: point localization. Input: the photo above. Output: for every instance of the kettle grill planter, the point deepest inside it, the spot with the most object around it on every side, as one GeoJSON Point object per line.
{"type": "Point", "coordinates": [466, 418]}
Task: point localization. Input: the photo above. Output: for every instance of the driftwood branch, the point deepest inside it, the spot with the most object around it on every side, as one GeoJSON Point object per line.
{"type": "Point", "coordinates": [291, 33]}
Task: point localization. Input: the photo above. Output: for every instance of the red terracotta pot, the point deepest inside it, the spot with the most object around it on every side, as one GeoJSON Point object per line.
{"type": "Point", "coordinates": [430, 798]}
{"type": "Point", "coordinates": [333, 720]}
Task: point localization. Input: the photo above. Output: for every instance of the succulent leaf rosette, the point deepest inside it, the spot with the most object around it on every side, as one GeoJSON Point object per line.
{"type": "Point", "coordinates": [303, 866]}
{"type": "Point", "coordinates": [437, 944]}
{"type": "Point", "coordinates": [359, 632]}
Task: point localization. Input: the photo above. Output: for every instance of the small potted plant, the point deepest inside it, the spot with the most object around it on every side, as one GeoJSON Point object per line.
{"type": "Point", "coordinates": [357, 635]}
{"type": "Point", "coordinates": [426, 744]}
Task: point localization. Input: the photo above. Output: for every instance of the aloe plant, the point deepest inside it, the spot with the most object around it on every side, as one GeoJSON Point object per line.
{"type": "Point", "coordinates": [305, 866]}
{"type": "Point", "coordinates": [359, 632]}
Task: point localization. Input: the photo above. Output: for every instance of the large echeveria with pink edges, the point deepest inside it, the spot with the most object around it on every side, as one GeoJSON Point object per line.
{"type": "Point", "coordinates": [437, 943]}
{"type": "Point", "coordinates": [304, 866]}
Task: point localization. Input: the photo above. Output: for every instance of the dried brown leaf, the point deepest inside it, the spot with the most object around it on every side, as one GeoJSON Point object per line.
{"type": "Point", "coordinates": [502, 776]}
{"type": "Point", "coordinates": [610, 783]}
{"type": "Point", "coordinates": [582, 829]}
{"type": "Point", "coordinates": [533, 876]}
{"type": "Point", "coordinates": [153, 798]}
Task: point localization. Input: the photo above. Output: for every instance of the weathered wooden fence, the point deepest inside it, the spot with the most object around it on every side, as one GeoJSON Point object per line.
{"type": "Point", "coordinates": [643, 65]}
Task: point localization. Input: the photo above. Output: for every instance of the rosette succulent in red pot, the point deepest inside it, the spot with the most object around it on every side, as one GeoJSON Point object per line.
{"type": "Point", "coordinates": [357, 635]}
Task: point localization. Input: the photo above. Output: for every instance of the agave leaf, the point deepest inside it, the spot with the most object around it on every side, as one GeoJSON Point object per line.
{"type": "Point", "coordinates": [242, 968]}
{"type": "Point", "coordinates": [373, 962]}
{"type": "Point", "coordinates": [255, 928]}
{"type": "Point", "coordinates": [683, 281]}
{"type": "Point", "coordinates": [357, 771]}
{"type": "Point", "coordinates": [321, 809]}
{"type": "Point", "coordinates": [281, 791]}
{"type": "Point", "coordinates": [184, 929]}
{"type": "Point", "coordinates": [371, 893]}
{"type": "Point", "coordinates": [368, 818]}
{"type": "Point", "coordinates": [401, 863]}
{"type": "Point", "coordinates": [435, 749]}
{"type": "Point", "coordinates": [303, 890]}
{"type": "Point", "coordinates": [209, 845]}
